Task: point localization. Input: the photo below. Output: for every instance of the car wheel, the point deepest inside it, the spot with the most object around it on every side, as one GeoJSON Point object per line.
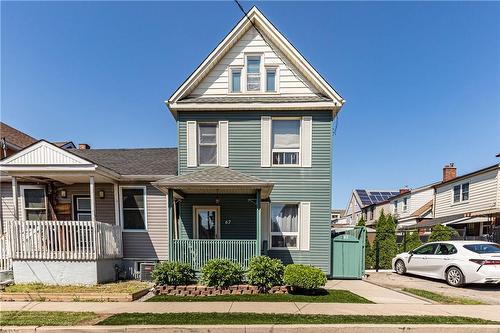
{"type": "Point", "coordinates": [400, 267]}
{"type": "Point", "coordinates": [454, 277]}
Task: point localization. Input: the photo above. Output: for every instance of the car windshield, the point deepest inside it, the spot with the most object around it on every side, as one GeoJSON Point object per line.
{"type": "Point", "coordinates": [483, 248]}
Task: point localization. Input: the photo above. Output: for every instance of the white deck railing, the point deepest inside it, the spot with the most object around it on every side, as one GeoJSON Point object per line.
{"type": "Point", "coordinates": [63, 240]}
{"type": "Point", "coordinates": [5, 258]}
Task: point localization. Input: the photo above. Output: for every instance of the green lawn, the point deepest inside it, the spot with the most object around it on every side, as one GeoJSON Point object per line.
{"type": "Point", "coordinates": [329, 296]}
{"type": "Point", "coordinates": [273, 318]}
{"type": "Point", "coordinates": [34, 318]}
{"type": "Point", "coordinates": [441, 298]}
{"type": "Point", "coordinates": [128, 287]}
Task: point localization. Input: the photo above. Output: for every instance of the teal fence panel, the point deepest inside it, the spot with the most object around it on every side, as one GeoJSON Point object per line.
{"type": "Point", "coordinates": [348, 254]}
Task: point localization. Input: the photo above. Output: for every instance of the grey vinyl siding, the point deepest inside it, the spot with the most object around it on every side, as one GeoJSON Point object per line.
{"type": "Point", "coordinates": [292, 184]}
{"type": "Point", "coordinates": [104, 208]}
{"type": "Point", "coordinates": [237, 220]}
{"type": "Point", "coordinates": [152, 243]}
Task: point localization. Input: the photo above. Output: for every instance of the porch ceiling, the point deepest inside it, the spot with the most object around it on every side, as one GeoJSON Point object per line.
{"type": "Point", "coordinates": [216, 180]}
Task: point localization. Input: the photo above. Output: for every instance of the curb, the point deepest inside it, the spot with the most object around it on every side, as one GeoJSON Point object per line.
{"type": "Point", "coordinates": [338, 328]}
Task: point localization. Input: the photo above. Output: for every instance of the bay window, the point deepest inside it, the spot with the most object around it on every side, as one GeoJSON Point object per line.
{"type": "Point", "coordinates": [284, 225]}
{"type": "Point", "coordinates": [285, 141]}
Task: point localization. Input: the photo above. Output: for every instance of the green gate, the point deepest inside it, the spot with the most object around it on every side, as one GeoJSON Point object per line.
{"type": "Point", "coordinates": [348, 254]}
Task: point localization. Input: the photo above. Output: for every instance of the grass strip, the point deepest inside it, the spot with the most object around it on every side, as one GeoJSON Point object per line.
{"type": "Point", "coordinates": [127, 287]}
{"type": "Point", "coordinates": [42, 318]}
{"type": "Point", "coordinates": [442, 298]}
{"type": "Point", "coordinates": [274, 318]}
{"type": "Point", "coordinates": [330, 296]}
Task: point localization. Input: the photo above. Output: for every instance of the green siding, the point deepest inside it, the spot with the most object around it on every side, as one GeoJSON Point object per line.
{"type": "Point", "coordinates": [291, 184]}
{"type": "Point", "coordinates": [237, 218]}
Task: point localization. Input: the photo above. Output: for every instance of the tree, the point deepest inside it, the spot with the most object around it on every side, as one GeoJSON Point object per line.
{"type": "Point", "coordinates": [369, 256]}
{"type": "Point", "coordinates": [385, 239]}
{"type": "Point", "coordinates": [442, 233]}
{"type": "Point", "coordinates": [411, 242]}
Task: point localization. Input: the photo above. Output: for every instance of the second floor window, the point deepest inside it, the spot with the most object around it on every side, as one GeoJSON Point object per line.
{"type": "Point", "coordinates": [236, 80]}
{"type": "Point", "coordinates": [207, 143]}
{"type": "Point", "coordinates": [271, 80]}
{"type": "Point", "coordinates": [405, 204]}
{"type": "Point", "coordinates": [372, 210]}
{"type": "Point", "coordinates": [395, 210]}
{"type": "Point", "coordinates": [461, 192]}
{"type": "Point", "coordinates": [286, 141]}
{"type": "Point", "coordinates": [253, 73]}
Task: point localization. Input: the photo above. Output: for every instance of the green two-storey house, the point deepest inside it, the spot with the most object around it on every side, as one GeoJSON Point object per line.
{"type": "Point", "coordinates": [255, 153]}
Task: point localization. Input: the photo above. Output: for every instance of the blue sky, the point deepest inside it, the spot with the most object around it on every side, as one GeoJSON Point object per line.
{"type": "Point", "coordinates": [421, 80]}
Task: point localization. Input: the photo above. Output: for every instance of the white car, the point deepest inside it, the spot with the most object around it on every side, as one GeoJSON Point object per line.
{"type": "Point", "coordinates": [457, 262]}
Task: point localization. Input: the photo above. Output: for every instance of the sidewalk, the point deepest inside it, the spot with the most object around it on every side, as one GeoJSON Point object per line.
{"type": "Point", "coordinates": [490, 312]}
{"type": "Point", "coordinates": [374, 293]}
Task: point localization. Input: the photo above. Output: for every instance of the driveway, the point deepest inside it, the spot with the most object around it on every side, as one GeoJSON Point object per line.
{"type": "Point", "coordinates": [488, 294]}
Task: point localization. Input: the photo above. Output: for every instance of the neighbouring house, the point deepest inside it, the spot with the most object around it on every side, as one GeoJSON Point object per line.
{"type": "Point", "coordinates": [412, 206]}
{"type": "Point", "coordinates": [251, 175]}
{"type": "Point", "coordinates": [362, 198]}
{"type": "Point", "coordinates": [336, 215]}
{"type": "Point", "coordinates": [13, 140]}
{"type": "Point", "coordinates": [469, 203]}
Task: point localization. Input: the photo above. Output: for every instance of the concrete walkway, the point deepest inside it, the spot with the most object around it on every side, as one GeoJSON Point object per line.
{"type": "Point", "coordinates": [374, 293]}
{"type": "Point", "coordinates": [490, 312]}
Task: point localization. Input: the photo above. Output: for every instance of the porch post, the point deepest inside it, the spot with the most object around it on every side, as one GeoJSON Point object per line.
{"type": "Point", "coordinates": [170, 217]}
{"type": "Point", "coordinates": [259, 226]}
{"type": "Point", "coordinates": [117, 203]}
{"type": "Point", "coordinates": [14, 197]}
{"type": "Point", "coordinates": [92, 198]}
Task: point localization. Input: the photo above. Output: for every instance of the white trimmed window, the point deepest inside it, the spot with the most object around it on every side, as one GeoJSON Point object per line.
{"type": "Point", "coordinates": [235, 80]}
{"type": "Point", "coordinates": [285, 141]}
{"type": "Point", "coordinates": [395, 207]}
{"type": "Point", "coordinates": [271, 80]}
{"type": "Point", "coordinates": [461, 193]}
{"type": "Point", "coordinates": [34, 203]}
{"type": "Point", "coordinates": [253, 73]}
{"type": "Point", "coordinates": [285, 225]}
{"type": "Point", "coordinates": [133, 207]}
{"type": "Point", "coordinates": [207, 143]}
{"type": "Point", "coordinates": [405, 204]}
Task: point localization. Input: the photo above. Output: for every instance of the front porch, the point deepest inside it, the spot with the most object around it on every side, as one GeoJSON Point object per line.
{"type": "Point", "coordinates": [216, 213]}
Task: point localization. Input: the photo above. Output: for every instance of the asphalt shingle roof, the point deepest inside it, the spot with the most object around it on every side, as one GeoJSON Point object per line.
{"type": "Point", "coordinates": [15, 136]}
{"type": "Point", "coordinates": [256, 99]}
{"type": "Point", "coordinates": [140, 161]}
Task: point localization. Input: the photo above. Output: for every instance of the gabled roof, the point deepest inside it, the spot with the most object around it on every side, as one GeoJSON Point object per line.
{"type": "Point", "coordinates": [138, 161]}
{"type": "Point", "coordinates": [255, 17]}
{"type": "Point", "coordinates": [15, 137]}
{"type": "Point", "coordinates": [216, 178]}
{"type": "Point", "coordinates": [423, 210]}
{"type": "Point", "coordinates": [470, 174]}
{"type": "Point", "coordinates": [371, 197]}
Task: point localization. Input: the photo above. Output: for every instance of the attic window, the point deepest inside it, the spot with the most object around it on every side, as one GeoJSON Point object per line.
{"type": "Point", "coordinates": [253, 73]}
{"type": "Point", "coordinates": [236, 80]}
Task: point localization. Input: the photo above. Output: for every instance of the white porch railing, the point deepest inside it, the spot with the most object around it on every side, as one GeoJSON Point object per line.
{"type": "Point", "coordinates": [63, 240]}
{"type": "Point", "coordinates": [5, 258]}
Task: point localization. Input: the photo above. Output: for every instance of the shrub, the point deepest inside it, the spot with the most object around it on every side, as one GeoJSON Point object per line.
{"type": "Point", "coordinates": [442, 233]}
{"type": "Point", "coordinates": [385, 239]}
{"type": "Point", "coordinates": [265, 272]}
{"type": "Point", "coordinates": [221, 273]}
{"type": "Point", "coordinates": [369, 256]}
{"type": "Point", "coordinates": [410, 242]}
{"type": "Point", "coordinates": [304, 277]}
{"type": "Point", "coordinates": [173, 273]}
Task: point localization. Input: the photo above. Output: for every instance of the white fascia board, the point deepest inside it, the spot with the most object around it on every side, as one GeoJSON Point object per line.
{"type": "Point", "coordinates": [28, 168]}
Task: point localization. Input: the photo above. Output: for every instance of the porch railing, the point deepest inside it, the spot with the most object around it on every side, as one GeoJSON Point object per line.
{"type": "Point", "coordinates": [63, 240]}
{"type": "Point", "coordinates": [5, 258]}
{"type": "Point", "coordinates": [198, 251]}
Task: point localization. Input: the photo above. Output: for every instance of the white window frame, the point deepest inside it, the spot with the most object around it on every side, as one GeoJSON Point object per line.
{"type": "Point", "coordinates": [144, 192]}
{"type": "Point", "coordinates": [287, 150]}
{"type": "Point", "coordinates": [395, 207]}
{"type": "Point", "coordinates": [230, 79]}
{"type": "Point", "coordinates": [196, 233]}
{"type": "Point", "coordinates": [276, 233]}
{"type": "Point", "coordinates": [276, 79]}
{"type": "Point", "coordinates": [32, 187]}
{"type": "Point", "coordinates": [404, 205]}
{"type": "Point", "coordinates": [460, 201]}
{"type": "Point", "coordinates": [261, 68]}
{"type": "Point", "coordinates": [73, 208]}
{"type": "Point", "coordinates": [198, 144]}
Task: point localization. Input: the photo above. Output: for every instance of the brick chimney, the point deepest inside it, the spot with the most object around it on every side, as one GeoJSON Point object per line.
{"type": "Point", "coordinates": [83, 146]}
{"type": "Point", "coordinates": [449, 172]}
{"type": "Point", "coordinates": [404, 190]}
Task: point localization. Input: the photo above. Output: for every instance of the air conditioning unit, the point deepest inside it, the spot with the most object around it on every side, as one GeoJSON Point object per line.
{"type": "Point", "coordinates": [145, 270]}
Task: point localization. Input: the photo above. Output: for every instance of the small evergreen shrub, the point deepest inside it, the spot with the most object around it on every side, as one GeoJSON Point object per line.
{"type": "Point", "coordinates": [442, 233]}
{"type": "Point", "coordinates": [221, 273]}
{"type": "Point", "coordinates": [303, 277]}
{"type": "Point", "coordinates": [265, 272]}
{"type": "Point", "coordinates": [385, 239]}
{"type": "Point", "coordinates": [173, 273]}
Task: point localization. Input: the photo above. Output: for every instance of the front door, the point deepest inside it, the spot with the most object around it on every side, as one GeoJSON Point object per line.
{"type": "Point", "coordinates": [206, 222]}
{"type": "Point", "coordinates": [81, 208]}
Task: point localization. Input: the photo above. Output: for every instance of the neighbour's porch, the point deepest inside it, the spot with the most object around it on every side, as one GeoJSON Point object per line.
{"type": "Point", "coordinates": [215, 213]}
